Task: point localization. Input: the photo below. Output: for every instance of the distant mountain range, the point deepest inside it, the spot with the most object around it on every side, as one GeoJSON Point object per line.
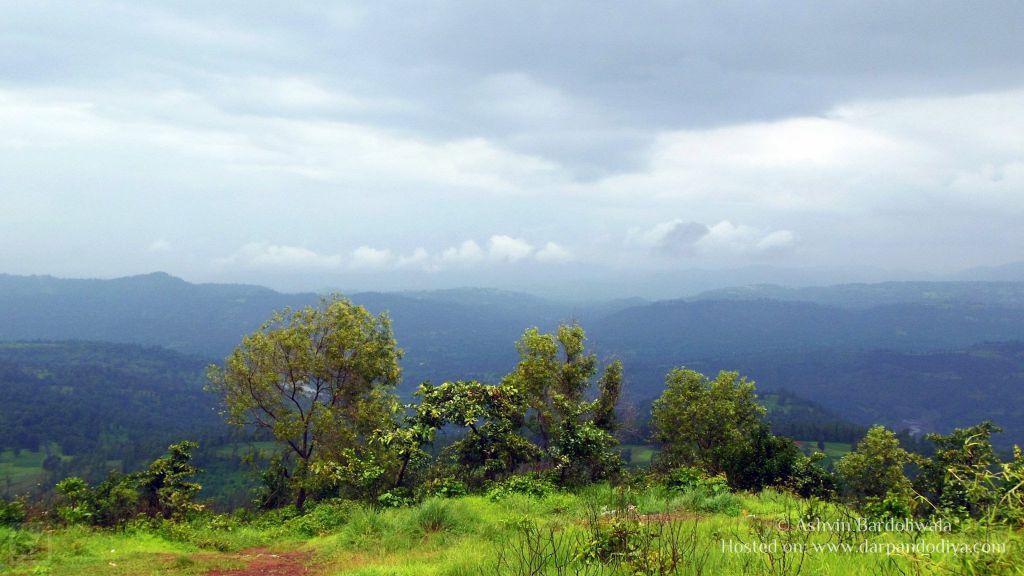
{"type": "Point", "coordinates": [805, 340]}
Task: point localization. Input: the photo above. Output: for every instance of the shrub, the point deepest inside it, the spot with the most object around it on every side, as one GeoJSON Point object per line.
{"type": "Point", "coordinates": [164, 487]}
{"type": "Point", "coordinates": [76, 496]}
{"type": "Point", "coordinates": [12, 513]}
{"type": "Point", "coordinates": [444, 488]}
{"type": "Point", "coordinates": [691, 478]}
{"type": "Point", "coordinates": [763, 460]}
{"type": "Point", "coordinates": [809, 479]}
{"type": "Point", "coordinates": [324, 518]}
{"type": "Point", "coordinates": [958, 479]}
{"type": "Point", "coordinates": [894, 504]}
{"type": "Point", "coordinates": [397, 498]}
{"type": "Point", "coordinates": [526, 484]}
{"type": "Point", "coordinates": [162, 490]}
{"type": "Point", "coordinates": [15, 543]}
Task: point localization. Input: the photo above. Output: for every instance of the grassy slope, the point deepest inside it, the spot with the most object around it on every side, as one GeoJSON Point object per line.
{"type": "Point", "coordinates": [20, 473]}
{"type": "Point", "coordinates": [461, 537]}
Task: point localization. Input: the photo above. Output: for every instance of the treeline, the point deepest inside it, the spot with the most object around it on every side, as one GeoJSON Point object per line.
{"type": "Point", "coordinates": [321, 382]}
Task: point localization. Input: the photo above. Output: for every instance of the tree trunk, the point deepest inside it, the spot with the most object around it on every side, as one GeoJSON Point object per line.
{"type": "Point", "coordinates": [401, 473]}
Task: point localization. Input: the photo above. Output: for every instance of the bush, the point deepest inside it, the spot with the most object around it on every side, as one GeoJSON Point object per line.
{"type": "Point", "coordinates": [444, 488]}
{"type": "Point", "coordinates": [162, 490]}
{"type": "Point", "coordinates": [763, 460]}
{"type": "Point", "coordinates": [690, 478]}
{"type": "Point", "coordinates": [809, 479]}
{"type": "Point", "coordinates": [76, 496]}
{"type": "Point", "coordinates": [15, 543]}
{"type": "Point", "coordinates": [526, 484]}
{"type": "Point", "coordinates": [397, 498]}
{"type": "Point", "coordinates": [12, 513]}
{"type": "Point", "coordinates": [324, 518]}
{"type": "Point", "coordinates": [894, 505]}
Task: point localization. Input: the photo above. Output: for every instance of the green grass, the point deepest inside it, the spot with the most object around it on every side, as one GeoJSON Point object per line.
{"type": "Point", "coordinates": [833, 450]}
{"type": "Point", "coordinates": [639, 455]}
{"type": "Point", "coordinates": [19, 473]}
{"type": "Point", "coordinates": [464, 536]}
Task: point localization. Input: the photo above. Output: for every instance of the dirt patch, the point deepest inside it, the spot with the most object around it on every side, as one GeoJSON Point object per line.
{"type": "Point", "coordinates": [263, 562]}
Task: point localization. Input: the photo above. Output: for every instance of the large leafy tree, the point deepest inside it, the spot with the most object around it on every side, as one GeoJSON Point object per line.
{"type": "Point", "coordinates": [554, 374]}
{"type": "Point", "coordinates": [702, 422]}
{"type": "Point", "coordinates": [321, 380]}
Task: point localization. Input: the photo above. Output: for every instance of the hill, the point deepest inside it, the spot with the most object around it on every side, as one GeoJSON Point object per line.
{"type": "Point", "coordinates": [919, 391]}
{"type": "Point", "coordinates": [85, 408]}
{"type": "Point", "coordinates": [803, 340]}
{"type": "Point", "coordinates": [1000, 294]}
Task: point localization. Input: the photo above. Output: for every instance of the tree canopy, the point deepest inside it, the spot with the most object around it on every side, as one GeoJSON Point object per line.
{"type": "Point", "coordinates": [321, 380]}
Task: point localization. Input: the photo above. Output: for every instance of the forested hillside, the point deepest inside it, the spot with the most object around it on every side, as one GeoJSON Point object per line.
{"type": "Point", "coordinates": [88, 407]}
{"type": "Point", "coordinates": [933, 391]}
{"type": "Point", "coordinates": [87, 395]}
{"type": "Point", "coordinates": [867, 352]}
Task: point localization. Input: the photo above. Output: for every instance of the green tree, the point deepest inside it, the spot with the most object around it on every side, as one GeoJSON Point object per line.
{"type": "Point", "coordinates": [1011, 502]}
{"type": "Point", "coordinates": [609, 390]}
{"type": "Point", "coordinates": [166, 487]}
{"type": "Point", "coordinates": [321, 380]}
{"type": "Point", "coordinates": [958, 479]}
{"type": "Point", "coordinates": [873, 475]}
{"type": "Point", "coordinates": [554, 374]}
{"type": "Point", "coordinates": [703, 422]}
{"type": "Point", "coordinates": [492, 417]}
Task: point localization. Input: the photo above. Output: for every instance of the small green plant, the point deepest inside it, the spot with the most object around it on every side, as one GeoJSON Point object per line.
{"type": "Point", "coordinates": [397, 498]}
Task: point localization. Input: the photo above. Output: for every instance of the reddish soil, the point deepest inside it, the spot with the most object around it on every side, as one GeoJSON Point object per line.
{"type": "Point", "coordinates": [262, 562]}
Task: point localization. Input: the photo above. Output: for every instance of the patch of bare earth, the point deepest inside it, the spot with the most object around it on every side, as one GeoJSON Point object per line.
{"type": "Point", "coordinates": [263, 562]}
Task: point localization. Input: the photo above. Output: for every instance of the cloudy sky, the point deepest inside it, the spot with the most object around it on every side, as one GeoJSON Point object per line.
{"type": "Point", "coordinates": [406, 144]}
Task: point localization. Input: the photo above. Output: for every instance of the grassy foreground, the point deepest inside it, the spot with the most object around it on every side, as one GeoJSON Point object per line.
{"type": "Point", "coordinates": [597, 531]}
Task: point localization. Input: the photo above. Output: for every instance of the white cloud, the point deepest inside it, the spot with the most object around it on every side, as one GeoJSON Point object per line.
{"type": "Point", "coordinates": [554, 253]}
{"type": "Point", "coordinates": [508, 249]}
{"type": "Point", "coordinates": [366, 257]}
{"type": "Point", "coordinates": [250, 145]}
{"type": "Point", "coordinates": [420, 258]}
{"type": "Point", "coordinates": [675, 237]}
{"type": "Point", "coordinates": [260, 255]}
{"type": "Point", "coordinates": [681, 238]}
{"type": "Point", "coordinates": [778, 240]}
{"type": "Point", "coordinates": [469, 252]}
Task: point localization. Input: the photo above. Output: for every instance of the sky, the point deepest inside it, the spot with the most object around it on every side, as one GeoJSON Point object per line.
{"type": "Point", "coordinates": [514, 144]}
